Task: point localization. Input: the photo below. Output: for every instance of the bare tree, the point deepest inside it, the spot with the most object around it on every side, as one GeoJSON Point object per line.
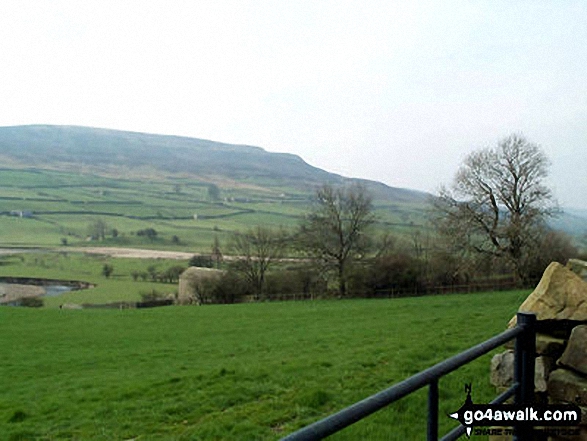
{"type": "Point", "coordinates": [334, 233]}
{"type": "Point", "coordinates": [97, 229]}
{"type": "Point", "coordinates": [257, 249]}
{"type": "Point", "coordinates": [552, 246]}
{"type": "Point", "coordinates": [216, 255]}
{"type": "Point", "coordinates": [498, 202]}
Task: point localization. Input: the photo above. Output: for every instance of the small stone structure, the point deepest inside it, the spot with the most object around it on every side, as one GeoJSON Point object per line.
{"type": "Point", "coordinates": [560, 304]}
{"type": "Point", "coordinates": [196, 285]}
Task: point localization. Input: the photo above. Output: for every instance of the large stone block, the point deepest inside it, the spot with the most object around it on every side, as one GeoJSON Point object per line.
{"type": "Point", "coordinates": [545, 345]}
{"type": "Point", "coordinates": [548, 345]}
{"type": "Point", "coordinates": [575, 355]}
{"type": "Point", "coordinates": [542, 371]}
{"type": "Point", "coordinates": [565, 386]}
{"type": "Point", "coordinates": [502, 369]}
{"type": "Point", "coordinates": [560, 295]}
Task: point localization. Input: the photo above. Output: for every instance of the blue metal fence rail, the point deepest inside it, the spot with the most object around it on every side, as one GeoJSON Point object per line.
{"type": "Point", "coordinates": [522, 388]}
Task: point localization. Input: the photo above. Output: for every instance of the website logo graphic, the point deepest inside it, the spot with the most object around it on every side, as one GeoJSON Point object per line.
{"type": "Point", "coordinates": [473, 415]}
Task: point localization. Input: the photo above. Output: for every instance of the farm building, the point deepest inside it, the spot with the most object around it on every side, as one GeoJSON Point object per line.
{"type": "Point", "coordinates": [196, 285]}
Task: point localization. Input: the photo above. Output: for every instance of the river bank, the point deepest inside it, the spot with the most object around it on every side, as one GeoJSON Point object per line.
{"type": "Point", "coordinates": [14, 289]}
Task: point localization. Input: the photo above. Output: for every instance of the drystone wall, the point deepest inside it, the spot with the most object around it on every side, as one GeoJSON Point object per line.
{"type": "Point", "coordinates": [560, 304]}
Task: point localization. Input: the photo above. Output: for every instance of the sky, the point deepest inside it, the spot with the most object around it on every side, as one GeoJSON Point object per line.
{"type": "Point", "coordinates": [394, 91]}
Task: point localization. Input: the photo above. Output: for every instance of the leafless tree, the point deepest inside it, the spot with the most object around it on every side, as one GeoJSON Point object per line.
{"type": "Point", "coordinates": [334, 233]}
{"type": "Point", "coordinates": [552, 246]}
{"type": "Point", "coordinates": [97, 229]}
{"type": "Point", "coordinates": [498, 202]}
{"type": "Point", "coordinates": [216, 252]}
{"type": "Point", "coordinates": [257, 249]}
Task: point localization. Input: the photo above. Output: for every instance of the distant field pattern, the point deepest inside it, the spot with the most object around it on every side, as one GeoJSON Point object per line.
{"type": "Point", "coordinates": [52, 208]}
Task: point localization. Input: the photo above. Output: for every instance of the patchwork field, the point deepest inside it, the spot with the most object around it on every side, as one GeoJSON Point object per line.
{"type": "Point", "coordinates": [55, 208]}
{"type": "Point", "coordinates": [234, 372]}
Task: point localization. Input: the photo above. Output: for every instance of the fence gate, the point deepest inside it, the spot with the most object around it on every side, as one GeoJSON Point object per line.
{"type": "Point", "coordinates": [522, 388]}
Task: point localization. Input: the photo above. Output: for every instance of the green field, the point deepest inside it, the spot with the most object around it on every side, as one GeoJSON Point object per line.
{"type": "Point", "coordinates": [65, 204]}
{"type": "Point", "coordinates": [236, 372]}
{"type": "Point", "coordinates": [120, 286]}
{"type": "Point", "coordinates": [219, 372]}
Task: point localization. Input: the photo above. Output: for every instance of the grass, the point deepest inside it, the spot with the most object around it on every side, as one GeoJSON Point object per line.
{"type": "Point", "coordinates": [120, 286]}
{"type": "Point", "coordinates": [65, 204]}
{"type": "Point", "coordinates": [233, 372]}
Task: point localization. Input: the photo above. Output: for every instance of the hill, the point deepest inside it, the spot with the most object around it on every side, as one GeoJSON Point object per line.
{"type": "Point", "coordinates": [71, 147]}
{"type": "Point", "coordinates": [68, 177]}
{"type": "Point", "coordinates": [58, 182]}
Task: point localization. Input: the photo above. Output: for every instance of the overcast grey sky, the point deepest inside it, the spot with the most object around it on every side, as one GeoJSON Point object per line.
{"type": "Point", "coordinates": [395, 91]}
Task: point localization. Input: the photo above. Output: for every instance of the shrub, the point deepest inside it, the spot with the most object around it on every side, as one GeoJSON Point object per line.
{"type": "Point", "coordinates": [395, 275]}
{"type": "Point", "coordinates": [230, 288]}
{"type": "Point", "coordinates": [201, 261]}
{"type": "Point", "coordinates": [153, 272]}
{"type": "Point", "coordinates": [148, 296]}
{"type": "Point", "coordinates": [211, 286]}
{"type": "Point", "coordinates": [171, 275]}
{"type": "Point", "coordinates": [31, 302]}
{"type": "Point", "coordinates": [150, 233]}
{"type": "Point", "coordinates": [107, 270]}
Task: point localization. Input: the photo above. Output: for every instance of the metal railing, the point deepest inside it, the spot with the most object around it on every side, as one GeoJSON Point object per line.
{"type": "Point", "coordinates": [522, 388]}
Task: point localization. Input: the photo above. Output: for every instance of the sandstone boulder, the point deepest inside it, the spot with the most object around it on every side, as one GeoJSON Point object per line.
{"type": "Point", "coordinates": [575, 355]}
{"type": "Point", "coordinates": [560, 295]}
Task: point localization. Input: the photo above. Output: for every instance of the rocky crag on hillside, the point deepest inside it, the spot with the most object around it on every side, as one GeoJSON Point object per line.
{"type": "Point", "coordinates": [560, 304]}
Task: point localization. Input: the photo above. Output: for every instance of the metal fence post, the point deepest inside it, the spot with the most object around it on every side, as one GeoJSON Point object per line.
{"type": "Point", "coordinates": [525, 358]}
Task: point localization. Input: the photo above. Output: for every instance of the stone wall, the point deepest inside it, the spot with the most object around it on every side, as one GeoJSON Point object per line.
{"type": "Point", "coordinates": [560, 304]}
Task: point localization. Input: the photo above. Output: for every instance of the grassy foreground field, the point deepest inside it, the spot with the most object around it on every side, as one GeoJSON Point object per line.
{"type": "Point", "coordinates": [235, 372]}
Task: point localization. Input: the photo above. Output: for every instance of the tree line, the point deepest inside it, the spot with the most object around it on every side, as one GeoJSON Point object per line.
{"type": "Point", "coordinates": [489, 225]}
